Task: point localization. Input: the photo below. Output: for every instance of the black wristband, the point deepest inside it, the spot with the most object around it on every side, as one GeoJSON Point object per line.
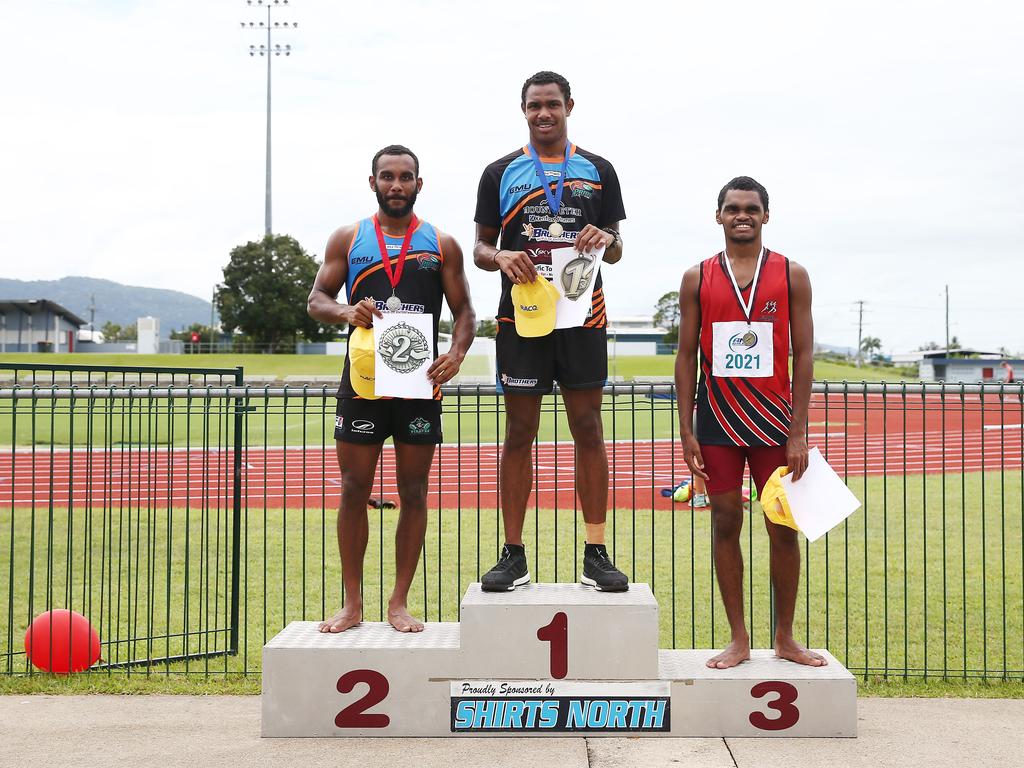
{"type": "Point", "coordinates": [614, 233]}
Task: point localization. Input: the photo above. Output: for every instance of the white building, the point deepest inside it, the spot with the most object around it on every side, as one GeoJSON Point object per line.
{"type": "Point", "coordinates": [634, 335]}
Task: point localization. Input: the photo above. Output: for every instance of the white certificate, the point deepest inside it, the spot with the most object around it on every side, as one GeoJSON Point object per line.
{"type": "Point", "coordinates": [574, 274]}
{"type": "Point", "coordinates": [403, 349]}
{"type": "Point", "coordinates": [820, 499]}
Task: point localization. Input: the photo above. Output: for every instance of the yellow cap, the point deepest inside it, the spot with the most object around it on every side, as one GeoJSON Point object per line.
{"type": "Point", "coordinates": [535, 307]}
{"type": "Point", "coordinates": [774, 502]}
{"type": "Point", "coordinates": [360, 362]}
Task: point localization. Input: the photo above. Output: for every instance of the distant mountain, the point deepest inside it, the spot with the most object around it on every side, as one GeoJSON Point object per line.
{"type": "Point", "coordinates": [117, 303]}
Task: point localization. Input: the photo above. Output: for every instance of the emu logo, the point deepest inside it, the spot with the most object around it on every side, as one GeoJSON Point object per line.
{"type": "Point", "coordinates": [576, 276]}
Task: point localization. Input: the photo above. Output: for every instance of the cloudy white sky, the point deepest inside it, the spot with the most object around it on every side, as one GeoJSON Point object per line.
{"type": "Point", "coordinates": [888, 135]}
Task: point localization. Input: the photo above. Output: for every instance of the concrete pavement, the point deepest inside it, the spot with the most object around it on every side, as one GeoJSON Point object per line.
{"type": "Point", "coordinates": [201, 731]}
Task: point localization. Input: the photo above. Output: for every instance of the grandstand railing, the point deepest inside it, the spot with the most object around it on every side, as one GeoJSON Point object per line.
{"type": "Point", "coordinates": [191, 522]}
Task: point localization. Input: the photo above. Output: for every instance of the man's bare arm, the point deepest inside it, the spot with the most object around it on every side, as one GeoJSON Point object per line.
{"type": "Point", "coordinates": [801, 331]}
{"type": "Point", "coordinates": [487, 256]}
{"type": "Point", "coordinates": [322, 303]}
{"type": "Point", "coordinates": [686, 366]}
{"type": "Point", "coordinates": [456, 293]}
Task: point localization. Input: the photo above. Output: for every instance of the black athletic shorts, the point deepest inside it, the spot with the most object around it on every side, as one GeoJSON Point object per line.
{"type": "Point", "coordinates": [577, 358]}
{"type": "Point", "coordinates": [370, 422]}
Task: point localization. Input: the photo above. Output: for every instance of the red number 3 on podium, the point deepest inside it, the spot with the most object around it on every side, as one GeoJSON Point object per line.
{"type": "Point", "coordinates": [788, 713]}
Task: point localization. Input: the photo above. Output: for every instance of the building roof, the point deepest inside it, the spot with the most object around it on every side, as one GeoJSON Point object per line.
{"type": "Point", "coordinates": [36, 306]}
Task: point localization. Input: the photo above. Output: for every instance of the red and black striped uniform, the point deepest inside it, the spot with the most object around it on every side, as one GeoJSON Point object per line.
{"type": "Point", "coordinates": [736, 410]}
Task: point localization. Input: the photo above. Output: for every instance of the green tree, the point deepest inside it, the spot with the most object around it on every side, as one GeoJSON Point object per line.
{"type": "Point", "coordinates": [870, 344]}
{"type": "Point", "coordinates": [666, 315]}
{"type": "Point", "coordinates": [264, 293]}
{"type": "Point", "coordinates": [112, 332]}
{"type": "Point", "coordinates": [487, 328]}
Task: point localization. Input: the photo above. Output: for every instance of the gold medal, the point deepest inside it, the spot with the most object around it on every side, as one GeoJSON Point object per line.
{"type": "Point", "coordinates": [555, 229]}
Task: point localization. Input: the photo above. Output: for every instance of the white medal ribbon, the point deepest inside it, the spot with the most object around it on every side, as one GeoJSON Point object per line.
{"type": "Point", "coordinates": [747, 306]}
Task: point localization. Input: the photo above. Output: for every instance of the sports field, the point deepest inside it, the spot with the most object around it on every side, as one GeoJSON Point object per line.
{"type": "Point", "coordinates": [898, 586]}
{"type": "Point", "coordinates": [282, 366]}
{"type": "Point", "coordinates": [123, 513]}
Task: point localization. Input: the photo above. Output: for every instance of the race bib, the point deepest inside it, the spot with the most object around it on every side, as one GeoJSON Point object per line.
{"type": "Point", "coordinates": [742, 349]}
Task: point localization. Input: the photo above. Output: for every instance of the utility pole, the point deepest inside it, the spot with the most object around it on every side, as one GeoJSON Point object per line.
{"type": "Point", "coordinates": [92, 315]}
{"type": "Point", "coordinates": [860, 329]}
{"type": "Point", "coordinates": [947, 319]}
{"type": "Point", "coordinates": [269, 50]}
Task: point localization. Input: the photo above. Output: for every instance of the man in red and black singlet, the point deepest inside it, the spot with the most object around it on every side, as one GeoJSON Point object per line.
{"type": "Point", "coordinates": [740, 311]}
{"type": "Point", "coordinates": [550, 194]}
{"type": "Point", "coordinates": [391, 261]}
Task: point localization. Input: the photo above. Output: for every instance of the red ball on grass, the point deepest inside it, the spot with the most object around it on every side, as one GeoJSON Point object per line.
{"type": "Point", "coordinates": [62, 641]}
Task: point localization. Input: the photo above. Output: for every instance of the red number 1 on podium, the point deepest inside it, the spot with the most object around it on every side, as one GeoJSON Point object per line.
{"type": "Point", "coordinates": [557, 633]}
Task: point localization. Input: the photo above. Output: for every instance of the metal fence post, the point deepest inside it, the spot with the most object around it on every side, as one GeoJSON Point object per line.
{"type": "Point", "coordinates": [236, 512]}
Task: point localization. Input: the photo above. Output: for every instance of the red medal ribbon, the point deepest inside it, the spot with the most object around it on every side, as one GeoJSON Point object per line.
{"type": "Point", "coordinates": [394, 277]}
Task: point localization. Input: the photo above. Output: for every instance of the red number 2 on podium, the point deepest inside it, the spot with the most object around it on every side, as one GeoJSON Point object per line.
{"type": "Point", "coordinates": [557, 633]}
{"type": "Point", "coordinates": [788, 713]}
{"type": "Point", "coordinates": [354, 715]}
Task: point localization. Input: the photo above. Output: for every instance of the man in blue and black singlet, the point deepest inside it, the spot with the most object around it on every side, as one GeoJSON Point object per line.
{"type": "Point", "coordinates": [546, 195]}
{"type": "Point", "coordinates": [393, 262]}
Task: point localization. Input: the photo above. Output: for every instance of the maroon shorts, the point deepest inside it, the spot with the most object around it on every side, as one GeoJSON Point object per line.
{"type": "Point", "coordinates": [723, 465]}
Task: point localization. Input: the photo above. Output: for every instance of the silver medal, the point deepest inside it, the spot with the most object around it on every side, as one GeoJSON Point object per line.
{"type": "Point", "coordinates": [394, 304]}
{"type": "Point", "coordinates": [555, 229]}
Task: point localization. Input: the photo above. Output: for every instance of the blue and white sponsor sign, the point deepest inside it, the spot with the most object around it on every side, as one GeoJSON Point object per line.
{"type": "Point", "coordinates": [485, 706]}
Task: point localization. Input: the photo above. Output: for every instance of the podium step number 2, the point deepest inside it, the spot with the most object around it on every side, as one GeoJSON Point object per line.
{"type": "Point", "coordinates": [548, 659]}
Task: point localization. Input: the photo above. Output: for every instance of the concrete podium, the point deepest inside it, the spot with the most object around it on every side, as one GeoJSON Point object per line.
{"type": "Point", "coordinates": [544, 660]}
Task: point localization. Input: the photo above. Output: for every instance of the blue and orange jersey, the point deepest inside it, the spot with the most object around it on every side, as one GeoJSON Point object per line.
{"type": "Point", "coordinates": [510, 197]}
{"type": "Point", "coordinates": [419, 288]}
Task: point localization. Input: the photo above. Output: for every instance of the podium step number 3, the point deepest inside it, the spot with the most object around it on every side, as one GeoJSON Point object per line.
{"type": "Point", "coordinates": [548, 659]}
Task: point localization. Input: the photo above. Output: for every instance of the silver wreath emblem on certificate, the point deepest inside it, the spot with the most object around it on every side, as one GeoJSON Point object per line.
{"type": "Point", "coordinates": [576, 276]}
{"type": "Point", "coordinates": [403, 348]}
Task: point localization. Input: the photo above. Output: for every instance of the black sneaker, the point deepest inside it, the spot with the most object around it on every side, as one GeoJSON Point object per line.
{"type": "Point", "coordinates": [510, 572]}
{"type": "Point", "coordinates": [600, 572]}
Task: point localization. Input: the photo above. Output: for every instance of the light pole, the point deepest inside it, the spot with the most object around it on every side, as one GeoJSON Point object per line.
{"type": "Point", "coordinates": [269, 50]}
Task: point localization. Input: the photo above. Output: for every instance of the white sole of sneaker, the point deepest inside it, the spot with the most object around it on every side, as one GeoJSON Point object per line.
{"type": "Point", "coordinates": [591, 583]}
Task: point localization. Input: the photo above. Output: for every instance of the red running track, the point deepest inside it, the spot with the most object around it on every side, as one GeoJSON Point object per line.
{"type": "Point", "coordinates": [857, 435]}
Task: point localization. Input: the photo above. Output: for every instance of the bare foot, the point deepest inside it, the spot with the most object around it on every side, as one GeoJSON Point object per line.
{"type": "Point", "coordinates": [788, 648]}
{"type": "Point", "coordinates": [399, 618]}
{"type": "Point", "coordinates": [738, 651]}
{"type": "Point", "coordinates": [344, 619]}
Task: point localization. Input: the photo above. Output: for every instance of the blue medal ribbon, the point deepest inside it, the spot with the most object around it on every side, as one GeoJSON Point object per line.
{"type": "Point", "coordinates": [554, 200]}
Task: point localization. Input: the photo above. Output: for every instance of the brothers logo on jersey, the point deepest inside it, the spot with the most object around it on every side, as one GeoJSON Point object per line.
{"type": "Point", "coordinates": [537, 233]}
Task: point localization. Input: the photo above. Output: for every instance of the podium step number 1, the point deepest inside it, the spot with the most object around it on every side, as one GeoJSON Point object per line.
{"type": "Point", "coordinates": [547, 659]}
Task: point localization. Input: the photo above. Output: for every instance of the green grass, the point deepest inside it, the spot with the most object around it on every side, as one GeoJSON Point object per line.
{"type": "Point", "coordinates": [909, 582]}
{"type": "Point", "coordinates": [643, 366]}
{"type": "Point", "coordinates": [281, 366]}
{"type": "Point", "coordinates": [303, 420]}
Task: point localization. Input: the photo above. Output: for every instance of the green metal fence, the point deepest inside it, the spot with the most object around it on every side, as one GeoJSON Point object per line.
{"type": "Point", "coordinates": [191, 523]}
